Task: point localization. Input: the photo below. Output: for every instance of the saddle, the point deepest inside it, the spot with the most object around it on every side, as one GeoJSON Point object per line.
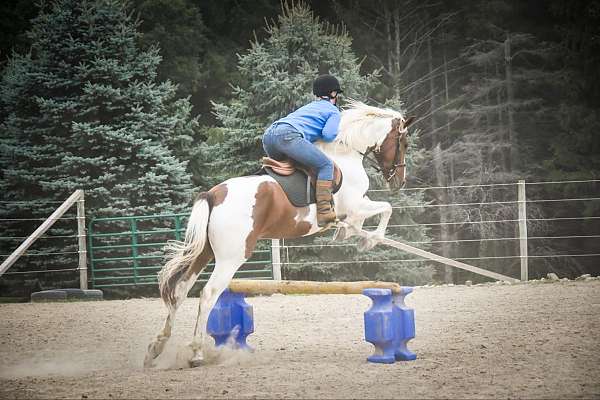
{"type": "Point", "coordinates": [297, 181]}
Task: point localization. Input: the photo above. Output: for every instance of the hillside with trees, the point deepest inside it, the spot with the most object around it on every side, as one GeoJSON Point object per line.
{"type": "Point", "coordinates": [141, 103]}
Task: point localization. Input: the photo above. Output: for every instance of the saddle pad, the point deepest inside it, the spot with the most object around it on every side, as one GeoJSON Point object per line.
{"type": "Point", "coordinates": [296, 186]}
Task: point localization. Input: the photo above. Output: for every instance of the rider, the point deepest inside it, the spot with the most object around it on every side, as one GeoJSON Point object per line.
{"type": "Point", "coordinates": [293, 136]}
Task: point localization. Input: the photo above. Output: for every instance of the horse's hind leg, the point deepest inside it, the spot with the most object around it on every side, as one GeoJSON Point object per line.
{"type": "Point", "coordinates": [157, 346]}
{"type": "Point", "coordinates": [173, 294]}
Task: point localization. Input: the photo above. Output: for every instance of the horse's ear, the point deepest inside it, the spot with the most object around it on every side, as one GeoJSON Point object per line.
{"type": "Point", "coordinates": [409, 121]}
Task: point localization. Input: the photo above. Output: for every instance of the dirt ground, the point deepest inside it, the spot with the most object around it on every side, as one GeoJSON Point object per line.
{"type": "Point", "coordinates": [513, 341]}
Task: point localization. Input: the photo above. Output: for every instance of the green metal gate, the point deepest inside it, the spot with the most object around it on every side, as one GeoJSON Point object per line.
{"type": "Point", "coordinates": [128, 251]}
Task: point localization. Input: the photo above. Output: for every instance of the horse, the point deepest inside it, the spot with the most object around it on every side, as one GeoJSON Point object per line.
{"type": "Point", "coordinates": [226, 222]}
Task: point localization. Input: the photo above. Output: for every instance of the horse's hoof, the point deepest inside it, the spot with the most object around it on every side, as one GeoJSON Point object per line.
{"type": "Point", "coordinates": [340, 234]}
{"type": "Point", "coordinates": [149, 362]}
{"type": "Point", "coordinates": [150, 357]}
{"type": "Point", "coordinates": [362, 245]}
{"type": "Point", "coordinates": [366, 244]}
{"type": "Point", "coordinates": [197, 361]}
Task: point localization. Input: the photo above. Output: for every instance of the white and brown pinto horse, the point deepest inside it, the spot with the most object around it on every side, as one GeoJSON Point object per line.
{"type": "Point", "coordinates": [227, 221]}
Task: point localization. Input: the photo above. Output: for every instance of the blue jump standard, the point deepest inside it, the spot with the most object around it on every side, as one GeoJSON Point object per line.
{"type": "Point", "coordinates": [231, 317]}
{"type": "Point", "coordinates": [389, 323]}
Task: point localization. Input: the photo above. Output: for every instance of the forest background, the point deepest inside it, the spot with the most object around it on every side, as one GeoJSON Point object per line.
{"type": "Point", "coordinates": [144, 103]}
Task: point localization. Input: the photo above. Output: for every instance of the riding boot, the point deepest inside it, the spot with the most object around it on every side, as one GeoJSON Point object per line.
{"type": "Point", "coordinates": [325, 211]}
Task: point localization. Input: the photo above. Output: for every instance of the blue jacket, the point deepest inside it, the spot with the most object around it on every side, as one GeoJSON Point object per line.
{"type": "Point", "coordinates": [317, 120]}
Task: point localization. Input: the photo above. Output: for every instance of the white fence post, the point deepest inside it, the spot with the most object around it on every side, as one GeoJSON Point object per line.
{"type": "Point", "coordinates": [522, 198]}
{"type": "Point", "coordinates": [276, 259]}
{"type": "Point", "coordinates": [83, 274]}
{"type": "Point", "coordinates": [40, 231]}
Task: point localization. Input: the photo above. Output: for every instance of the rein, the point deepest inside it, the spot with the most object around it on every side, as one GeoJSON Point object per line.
{"type": "Point", "coordinates": [372, 163]}
{"type": "Point", "coordinates": [377, 166]}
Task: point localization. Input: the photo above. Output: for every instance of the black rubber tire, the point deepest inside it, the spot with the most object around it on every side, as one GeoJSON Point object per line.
{"type": "Point", "coordinates": [67, 294]}
{"type": "Point", "coordinates": [49, 295]}
{"type": "Point", "coordinates": [83, 294]}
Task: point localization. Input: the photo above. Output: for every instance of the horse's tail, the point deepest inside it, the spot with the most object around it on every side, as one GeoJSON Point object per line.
{"type": "Point", "coordinates": [182, 254]}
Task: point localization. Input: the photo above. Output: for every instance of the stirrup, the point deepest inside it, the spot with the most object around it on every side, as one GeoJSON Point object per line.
{"type": "Point", "coordinates": [339, 221]}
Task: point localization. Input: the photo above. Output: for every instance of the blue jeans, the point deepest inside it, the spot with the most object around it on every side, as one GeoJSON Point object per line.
{"type": "Point", "coordinates": [282, 140]}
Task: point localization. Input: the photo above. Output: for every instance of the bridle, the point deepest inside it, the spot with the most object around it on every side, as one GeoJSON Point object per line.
{"type": "Point", "coordinates": [376, 163]}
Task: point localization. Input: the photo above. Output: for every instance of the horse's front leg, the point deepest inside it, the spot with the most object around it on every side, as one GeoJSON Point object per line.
{"type": "Point", "coordinates": [363, 210]}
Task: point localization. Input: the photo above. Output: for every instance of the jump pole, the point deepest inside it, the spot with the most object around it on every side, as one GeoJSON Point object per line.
{"type": "Point", "coordinates": [389, 324]}
{"type": "Point", "coordinates": [266, 287]}
{"type": "Point", "coordinates": [448, 261]}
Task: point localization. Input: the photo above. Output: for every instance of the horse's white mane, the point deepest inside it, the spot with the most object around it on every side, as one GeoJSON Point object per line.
{"type": "Point", "coordinates": [362, 126]}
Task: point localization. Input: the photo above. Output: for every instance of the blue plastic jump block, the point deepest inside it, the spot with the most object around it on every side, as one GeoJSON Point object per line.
{"type": "Point", "coordinates": [231, 317]}
{"type": "Point", "coordinates": [389, 325]}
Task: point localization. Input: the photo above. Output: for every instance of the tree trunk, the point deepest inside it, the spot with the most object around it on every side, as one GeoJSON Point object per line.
{"type": "Point", "coordinates": [450, 232]}
{"type": "Point", "coordinates": [512, 135]}
{"type": "Point", "coordinates": [447, 90]}
{"type": "Point", "coordinates": [488, 116]}
{"type": "Point", "coordinates": [499, 104]}
{"type": "Point", "coordinates": [388, 35]}
{"type": "Point", "coordinates": [431, 91]}
{"type": "Point", "coordinates": [439, 169]}
{"type": "Point", "coordinates": [398, 52]}
{"type": "Point", "coordinates": [504, 157]}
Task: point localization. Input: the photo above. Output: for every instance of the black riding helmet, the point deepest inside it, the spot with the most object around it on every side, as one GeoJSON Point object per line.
{"type": "Point", "coordinates": [326, 84]}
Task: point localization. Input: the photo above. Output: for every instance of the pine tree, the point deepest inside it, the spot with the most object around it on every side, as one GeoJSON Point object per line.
{"type": "Point", "coordinates": [181, 43]}
{"type": "Point", "coordinates": [499, 130]}
{"type": "Point", "coordinates": [83, 110]}
{"type": "Point", "coordinates": [277, 75]}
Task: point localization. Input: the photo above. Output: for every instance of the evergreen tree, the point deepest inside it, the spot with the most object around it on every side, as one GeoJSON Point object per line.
{"type": "Point", "coordinates": [499, 130]}
{"type": "Point", "coordinates": [14, 21]}
{"type": "Point", "coordinates": [277, 77]}
{"type": "Point", "coordinates": [177, 28]}
{"type": "Point", "coordinates": [575, 145]}
{"type": "Point", "coordinates": [83, 110]}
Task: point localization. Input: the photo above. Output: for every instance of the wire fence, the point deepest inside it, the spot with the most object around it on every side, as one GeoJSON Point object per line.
{"type": "Point", "coordinates": [52, 251]}
{"type": "Point", "coordinates": [561, 219]}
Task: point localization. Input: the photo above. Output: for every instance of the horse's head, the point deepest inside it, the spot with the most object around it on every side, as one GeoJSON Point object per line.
{"type": "Point", "coordinates": [391, 154]}
{"type": "Point", "coordinates": [381, 131]}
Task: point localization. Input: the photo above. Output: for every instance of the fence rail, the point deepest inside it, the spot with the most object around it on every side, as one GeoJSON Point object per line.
{"type": "Point", "coordinates": [128, 251]}
{"type": "Point", "coordinates": [521, 224]}
{"type": "Point", "coordinates": [77, 198]}
{"type": "Point", "coordinates": [131, 256]}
